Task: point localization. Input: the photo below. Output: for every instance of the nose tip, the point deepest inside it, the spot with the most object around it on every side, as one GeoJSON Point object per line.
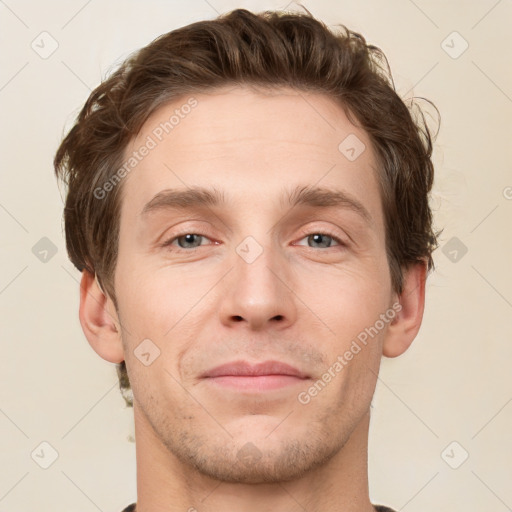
{"type": "Point", "coordinates": [257, 296]}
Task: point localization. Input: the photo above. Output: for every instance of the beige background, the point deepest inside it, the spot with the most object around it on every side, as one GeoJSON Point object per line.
{"type": "Point", "coordinates": [454, 384]}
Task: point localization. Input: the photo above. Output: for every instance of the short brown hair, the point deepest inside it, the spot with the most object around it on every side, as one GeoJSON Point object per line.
{"type": "Point", "coordinates": [272, 49]}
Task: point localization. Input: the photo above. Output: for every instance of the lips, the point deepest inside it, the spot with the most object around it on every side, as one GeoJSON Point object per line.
{"type": "Point", "coordinates": [245, 369]}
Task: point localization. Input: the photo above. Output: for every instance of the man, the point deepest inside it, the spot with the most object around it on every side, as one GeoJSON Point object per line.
{"type": "Point", "coordinates": [248, 204]}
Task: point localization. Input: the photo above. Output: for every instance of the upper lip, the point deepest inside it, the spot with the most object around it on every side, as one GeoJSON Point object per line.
{"type": "Point", "coordinates": [238, 368]}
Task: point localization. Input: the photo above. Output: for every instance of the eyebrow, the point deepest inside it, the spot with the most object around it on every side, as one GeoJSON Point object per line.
{"type": "Point", "coordinates": [324, 198]}
{"type": "Point", "coordinates": [200, 197]}
{"type": "Point", "coordinates": [192, 198]}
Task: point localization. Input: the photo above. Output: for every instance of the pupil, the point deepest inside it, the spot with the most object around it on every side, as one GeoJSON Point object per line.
{"type": "Point", "coordinates": [318, 239]}
{"type": "Point", "coordinates": [189, 238]}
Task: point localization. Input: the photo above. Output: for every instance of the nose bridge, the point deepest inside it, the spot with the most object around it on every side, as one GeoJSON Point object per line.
{"type": "Point", "coordinates": [256, 292]}
{"type": "Point", "coordinates": [255, 266]}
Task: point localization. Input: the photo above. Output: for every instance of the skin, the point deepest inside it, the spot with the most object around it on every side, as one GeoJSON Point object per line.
{"type": "Point", "coordinates": [300, 301]}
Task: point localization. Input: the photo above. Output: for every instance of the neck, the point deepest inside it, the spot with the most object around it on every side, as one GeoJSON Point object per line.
{"type": "Point", "coordinates": [165, 484]}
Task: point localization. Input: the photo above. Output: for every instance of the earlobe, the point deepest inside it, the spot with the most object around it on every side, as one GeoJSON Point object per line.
{"type": "Point", "coordinates": [406, 324]}
{"type": "Point", "coordinates": [99, 320]}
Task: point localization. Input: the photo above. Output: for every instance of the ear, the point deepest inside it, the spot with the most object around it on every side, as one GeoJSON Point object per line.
{"type": "Point", "coordinates": [406, 324]}
{"type": "Point", "coordinates": [99, 321]}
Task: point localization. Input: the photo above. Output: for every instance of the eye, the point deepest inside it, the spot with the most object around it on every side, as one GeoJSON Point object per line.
{"type": "Point", "coordinates": [323, 239]}
{"type": "Point", "coordinates": [186, 241]}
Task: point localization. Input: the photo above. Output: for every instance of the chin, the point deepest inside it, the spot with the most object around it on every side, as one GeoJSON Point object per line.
{"type": "Point", "coordinates": [258, 462]}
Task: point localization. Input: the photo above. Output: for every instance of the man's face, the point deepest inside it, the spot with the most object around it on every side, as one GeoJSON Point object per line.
{"type": "Point", "coordinates": [255, 280]}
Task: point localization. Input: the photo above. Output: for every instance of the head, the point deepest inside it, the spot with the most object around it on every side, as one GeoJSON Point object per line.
{"type": "Point", "coordinates": [254, 123]}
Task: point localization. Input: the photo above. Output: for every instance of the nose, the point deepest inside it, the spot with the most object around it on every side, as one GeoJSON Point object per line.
{"type": "Point", "coordinates": [258, 294]}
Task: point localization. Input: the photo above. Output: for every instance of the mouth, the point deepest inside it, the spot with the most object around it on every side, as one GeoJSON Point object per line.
{"type": "Point", "coordinates": [265, 376]}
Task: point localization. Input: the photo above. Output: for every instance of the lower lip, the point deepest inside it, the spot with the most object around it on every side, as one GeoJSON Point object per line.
{"type": "Point", "coordinates": [255, 382]}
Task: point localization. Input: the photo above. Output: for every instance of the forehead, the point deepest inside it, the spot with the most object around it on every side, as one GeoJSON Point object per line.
{"type": "Point", "coordinates": [249, 143]}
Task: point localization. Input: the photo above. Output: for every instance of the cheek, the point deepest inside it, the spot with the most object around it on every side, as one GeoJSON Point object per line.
{"type": "Point", "coordinates": [158, 302]}
{"type": "Point", "coordinates": [352, 299]}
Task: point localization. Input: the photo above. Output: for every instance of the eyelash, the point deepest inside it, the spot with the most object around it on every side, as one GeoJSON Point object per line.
{"type": "Point", "coordinates": [169, 242]}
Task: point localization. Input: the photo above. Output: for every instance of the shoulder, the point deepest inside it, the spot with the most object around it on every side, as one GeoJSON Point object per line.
{"type": "Point", "coordinates": [380, 508]}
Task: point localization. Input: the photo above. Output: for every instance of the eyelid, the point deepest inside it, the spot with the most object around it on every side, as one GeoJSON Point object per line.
{"type": "Point", "coordinates": [177, 230]}
{"type": "Point", "coordinates": [307, 229]}
{"type": "Point", "coordinates": [320, 231]}
{"type": "Point", "coordinates": [324, 231]}
{"type": "Point", "coordinates": [169, 241]}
